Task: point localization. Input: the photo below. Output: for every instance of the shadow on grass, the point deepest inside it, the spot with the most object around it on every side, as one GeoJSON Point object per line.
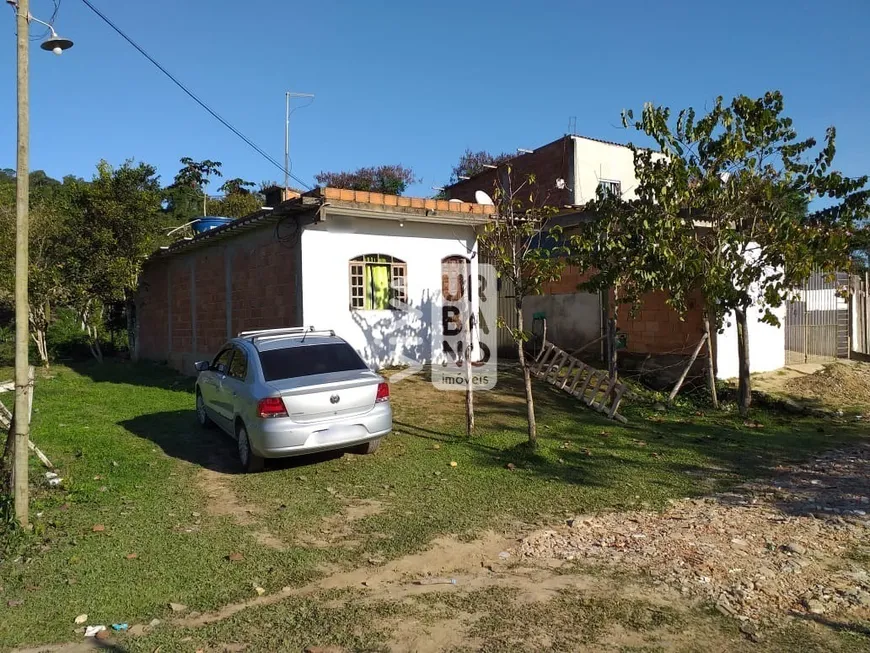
{"type": "Point", "coordinates": [836, 625]}
{"type": "Point", "coordinates": [179, 436]}
{"type": "Point", "coordinates": [138, 374]}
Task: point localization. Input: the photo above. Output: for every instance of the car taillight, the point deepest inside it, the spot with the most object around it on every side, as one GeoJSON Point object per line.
{"type": "Point", "coordinates": [271, 407]}
{"type": "Point", "coordinates": [383, 392]}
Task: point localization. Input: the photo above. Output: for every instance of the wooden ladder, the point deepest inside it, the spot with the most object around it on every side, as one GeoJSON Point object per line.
{"type": "Point", "coordinates": [590, 385]}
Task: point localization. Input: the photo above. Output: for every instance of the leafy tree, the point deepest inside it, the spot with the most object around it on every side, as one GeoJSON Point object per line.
{"type": "Point", "coordinates": [514, 242]}
{"type": "Point", "coordinates": [471, 163]}
{"type": "Point", "coordinates": [388, 179]}
{"type": "Point", "coordinates": [627, 255]}
{"type": "Point", "coordinates": [115, 224]}
{"type": "Point", "coordinates": [185, 199]}
{"type": "Point", "coordinates": [46, 280]}
{"type": "Point", "coordinates": [238, 200]}
{"type": "Point", "coordinates": [723, 204]}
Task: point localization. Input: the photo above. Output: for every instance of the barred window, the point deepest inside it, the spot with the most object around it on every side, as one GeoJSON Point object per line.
{"type": "Point", "coordinates": [610, 188]}
{"type": "Point", "coordinates": [378, 283]}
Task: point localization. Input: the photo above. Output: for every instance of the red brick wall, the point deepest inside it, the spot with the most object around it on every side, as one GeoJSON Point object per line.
{"type": "Point", "coordinates": [185, 295]}
{"type": "Point", "coordinates": [547, 163]}
{"type": "Point", "coordinates": [211, 322]}
{"type": "Point", "coordinates": [656, 328]}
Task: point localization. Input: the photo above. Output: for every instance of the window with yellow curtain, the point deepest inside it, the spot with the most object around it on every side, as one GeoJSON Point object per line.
{"type": "Point", "coordinates": [377, 283]}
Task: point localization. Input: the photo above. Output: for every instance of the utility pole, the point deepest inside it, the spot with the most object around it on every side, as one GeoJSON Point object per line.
{"type": "Point", "coordinates": [21, 423]}
{"type": "Point", "coordinates": [287, 96]}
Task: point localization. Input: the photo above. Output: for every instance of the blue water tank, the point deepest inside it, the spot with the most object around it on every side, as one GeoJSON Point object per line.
{"type": "Point", "coordinates": [209, 222]}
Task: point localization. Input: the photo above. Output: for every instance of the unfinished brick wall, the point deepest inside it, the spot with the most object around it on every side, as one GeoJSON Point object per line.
{"type": "Point", "coordinates": [548, 163]}
{"type": "Point", "coordinates": [656, 328]}
{"type": "Point", "coordinates": [191, 302]}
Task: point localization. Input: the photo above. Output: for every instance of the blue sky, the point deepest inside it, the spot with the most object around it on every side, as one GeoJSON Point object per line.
{"type": "Point", "coordinates": [419, 82]}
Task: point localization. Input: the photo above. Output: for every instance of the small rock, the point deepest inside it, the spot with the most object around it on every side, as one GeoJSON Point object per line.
{"type": "Point", "coordinates": [102, 635]}
{"type": "Point", "coordinates": [82, 618]}
{"type": "Point", "coordinates": [814, 606]}
{"type": "Point", "coordinates": [235, 557]}
{"type": "Point", "coordinates": [794, 547]}
{"type": "Point", "coordinates": [178, 607]}
{"type": "Point", "coordinates": [504, 555]}
{"type": "Point", "coordinates": [453, 463]}
{"type": "Point", "coordinates": [259, 590]}
{"type": "Point", "coordinates": [659, 407]}
{"type": "Point", "coordinates": [98, 528]}
{"type": "Point", "coordinates": [748, 628]}
{"type": "Point", "coordinates": [136, 630]}
{"type": "Point", "coordinates": [14, 603]}
{"type": "Point", "coordinates": [510, 466]}
{"type": "Point", "coordinates": [194, 614]}
{"type": "Point", "coordinates": [153, 623]}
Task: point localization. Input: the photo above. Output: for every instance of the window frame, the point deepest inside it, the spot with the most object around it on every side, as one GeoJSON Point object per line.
{"type": "Point", "coordinates": [214, 364]}
{"type": "Point", "coordinates": [358, 293]}
{"type": "Point", "coordinates": [238, 352]}
{"type": "Point", "coordinates": [611, 187]}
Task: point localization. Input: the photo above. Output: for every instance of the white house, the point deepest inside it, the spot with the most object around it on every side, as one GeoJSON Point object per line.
{"type": "Point", "coordinates": [373, 267]}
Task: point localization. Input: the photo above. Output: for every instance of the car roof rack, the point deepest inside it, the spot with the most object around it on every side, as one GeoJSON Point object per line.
{"type": "Point", "coordinates": [288, 332]}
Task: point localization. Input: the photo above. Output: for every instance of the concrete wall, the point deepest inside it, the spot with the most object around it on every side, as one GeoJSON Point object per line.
{"type": "Point", "coordinates": [381, 337]}
{"type": "Point", "coordinates": [190, 303]}
{"type": "Point", "coordinates": [573, 320]}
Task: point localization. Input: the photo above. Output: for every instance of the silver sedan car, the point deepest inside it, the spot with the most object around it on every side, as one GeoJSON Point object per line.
{"type": "Point", "coordinates": [287, 392]}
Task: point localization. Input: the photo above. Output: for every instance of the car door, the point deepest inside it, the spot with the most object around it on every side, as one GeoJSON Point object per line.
{"type": "Point", "coordinates": [232, 388]}
{"type": "Point", "coordinates": [210, 383]}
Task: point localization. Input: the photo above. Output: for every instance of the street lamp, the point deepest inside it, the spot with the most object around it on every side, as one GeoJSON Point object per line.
{"type": "Point", "coordinates": [21, 422]}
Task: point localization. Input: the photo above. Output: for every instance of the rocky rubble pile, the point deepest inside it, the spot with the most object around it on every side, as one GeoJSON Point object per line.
{"type": "Point", "coordinates": [792, 543]}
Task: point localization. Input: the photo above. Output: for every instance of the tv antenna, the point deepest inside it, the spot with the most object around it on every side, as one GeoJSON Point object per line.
{"type": "Point", "coordinates": [572, 125]}
{"type": "Point", "coordinates": [287, 97]}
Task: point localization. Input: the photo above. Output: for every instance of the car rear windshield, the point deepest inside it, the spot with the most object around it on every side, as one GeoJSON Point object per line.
{"type": "Point", "coordinates": [293, 362]}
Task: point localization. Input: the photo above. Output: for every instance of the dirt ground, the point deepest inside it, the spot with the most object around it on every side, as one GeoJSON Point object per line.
{"type": "Point", "coordinates": [790, 549]}
{"type": "Point", "coordinates": [844, 384]}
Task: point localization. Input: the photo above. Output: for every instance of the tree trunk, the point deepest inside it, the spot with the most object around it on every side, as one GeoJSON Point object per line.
{"type": "Point", "coordinates": [469, 349]}
{"type": "Point", "coordinates": [38, 335]}
{"type": "Point", "coordinates": [744, 389]}
{"type": "Point", "coordinates": [130, 312]}
{"type": "Point", "coordinates": [711, 372]}
{"type": "Point", "coordinates": [6, 462]}
{"type": "Point", "coordinates": [527, 380]}
{"type": "Point", "coordinates": [94, 343]}
{"type": "Point", "coordinates": [612, 367]}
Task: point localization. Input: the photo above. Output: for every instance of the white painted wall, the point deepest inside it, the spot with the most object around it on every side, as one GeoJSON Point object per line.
{"type": "Point", "coordinates": [381, 337]}
{"type": "Point", "coordinates": [594, 161]}
{"type": "Point", "coordinates": [766, 342]}
{"type": "Point", "coordinates": [766, 345]}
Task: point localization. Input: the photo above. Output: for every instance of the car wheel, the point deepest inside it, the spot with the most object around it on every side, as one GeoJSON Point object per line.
{"type": "Point", "coordinates": [201, 414]}
{"type": "Point", "coordinates": [251, 462]}
{"type": "Point", "coordinates": [367, 447]}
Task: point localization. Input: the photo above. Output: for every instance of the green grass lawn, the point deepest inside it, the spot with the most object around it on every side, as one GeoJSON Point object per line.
{"type": "Point", "coordinates": [133, 460]}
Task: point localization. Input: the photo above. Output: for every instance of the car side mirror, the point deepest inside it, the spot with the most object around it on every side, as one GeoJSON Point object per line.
{"type": "Point", "coordinates": [201, 366]}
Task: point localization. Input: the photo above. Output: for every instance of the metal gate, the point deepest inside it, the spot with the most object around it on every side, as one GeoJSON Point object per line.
{"type": "Point", "coordinates": [861, 313]}
{"type": "Point", "coordinates": [817, 321]}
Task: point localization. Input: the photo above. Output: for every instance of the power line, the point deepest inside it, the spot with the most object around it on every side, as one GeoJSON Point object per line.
{"type": "Point", "coordinates": [192, 95]}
